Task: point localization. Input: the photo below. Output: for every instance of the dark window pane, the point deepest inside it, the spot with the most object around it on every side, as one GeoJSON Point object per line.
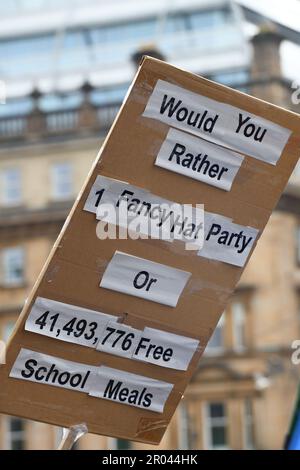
{"type": "Point", "coordinates": [122, 444]}
{"type": "Point", "coordinates": [218, 434]}
{"type": "Point", "coordinates": [17, 444]}
{"type": "Point", "coordinates": [16, 424]}
{"type": "Point", "coordinates": [216, 410]}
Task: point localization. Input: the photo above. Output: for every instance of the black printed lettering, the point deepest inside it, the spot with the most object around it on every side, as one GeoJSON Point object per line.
{"type": "Point", "coordinates": [28, 366]}
{"type": "Point", "coordinates": [199, 163]}
{"type": "Point", "coordinates": [175, 109]}
{"type": "Point", "coordinates": [142, 279]}
{"type": "Point", "coordinates": [249, 129]}
{"type": "Point", "coordinates": [53, 376]}
{"type": "Point", "coordinates": [149, 350]}
{"type": "Point", "coordinates": [238, 240]}
{"type": "Point", "coordinates": [115, 390]}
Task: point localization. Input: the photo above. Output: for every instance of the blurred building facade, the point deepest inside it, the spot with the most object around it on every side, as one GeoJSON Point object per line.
{"type": "Point", "coordinates": [66, 73]}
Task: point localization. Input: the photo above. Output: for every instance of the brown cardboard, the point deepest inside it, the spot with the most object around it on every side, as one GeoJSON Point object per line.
{"type": "Point", "coordinates": [74, 269]}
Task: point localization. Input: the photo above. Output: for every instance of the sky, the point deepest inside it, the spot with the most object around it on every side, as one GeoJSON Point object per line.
{"type": "Point", "coordinates": [286, 12]}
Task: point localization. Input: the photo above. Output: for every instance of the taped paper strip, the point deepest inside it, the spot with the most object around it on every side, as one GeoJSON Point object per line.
{"type": "Point", "coordinates": [139, 211]}
{"type": "Point", "coordinates": [217, 122]}
{"type": "Point", "coordinates": [165, 349]}
{"type": "Point", "coordinates": [119, 339]}
{"type": "Point", "coordinates": [131, 389]}
{"type": "Point", "coordinates": [67, 322]}
{"type": "Point", "coordinates": [150, 345]}
{"type": "Point", "coordinates": [101, 382]}
{"type": "Point", "coordinates": [198, 159]}
{"type": "Point", "coordinates": [100, 185]}
{"type": "Point", "coordinates": [50, 370]}
{"type": "Point", "coordinates": [226, 241]}
{"type": "Point", "coordinates": [221, 239]}
{"type": "Point", "coordinates": [97, 330]}
{"type": "Point", "coordinates": [144, 278]}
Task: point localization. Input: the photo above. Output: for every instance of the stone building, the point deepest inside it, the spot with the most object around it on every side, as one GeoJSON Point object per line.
{"type": "Point", "coordinates": [242, 395]}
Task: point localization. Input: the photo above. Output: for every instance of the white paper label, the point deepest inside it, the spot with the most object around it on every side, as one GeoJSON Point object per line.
{"type": "Point", "coordinates": [49, 370]}
{"type": "Point", "coordinates": [67, 322]}
{"type": "Point", "coordinates": [101, 183]}
{"type": "Point", "coordinates": [131, 389]}
{"type": "Point", "coordinates": [101, 331]}
{"type": "Point", "coordinates": [157, 347]}
{"type": "Point", "coordinates": [217, 122]}
{"type": "Point", "coordinates": [226, 241]}
{"type": "Point", "coordinates": [199, 159]}
{"type": "Point", "coordinates": [143, 278]}
{"type": "Point", "coordinates": [119, 339]}
{"type": "Point", "coordinates": [165, 349]}
{"type": "Point", "coordinates": [139, 211]}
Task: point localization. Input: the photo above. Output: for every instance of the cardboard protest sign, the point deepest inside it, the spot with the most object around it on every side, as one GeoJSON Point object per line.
{"type": "Point", "coordinates": [124, 320]}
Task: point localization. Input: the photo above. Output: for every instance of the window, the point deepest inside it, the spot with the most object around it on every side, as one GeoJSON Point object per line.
{"type": "Point", "coordinates": [210, 18]}
{"type": "Point", "coordinates": [100, 45]}
{"type": "Point", "coordinates": [216, 344]}
{"type": "Point", "coordinates": [119, 444]}
{"type": "Point", "coordinates": [12, 266]}
{"type": "Point", "coordinates": [239, 326]}
{"type": "Point", "coordinates": [215, 423]}
{"type": "Point", "coordinates": [122, 444]}
{"type": "Point", "coordinates": [248, 425]}
{"type": "Point", "coordinates": [15, 435]}
{"type": "Point", "coordinates": [62, 184]}
{"type": "Point", "coordinates": [32, 6]}
{"type": "Point", "coordinates": [11, 187]}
